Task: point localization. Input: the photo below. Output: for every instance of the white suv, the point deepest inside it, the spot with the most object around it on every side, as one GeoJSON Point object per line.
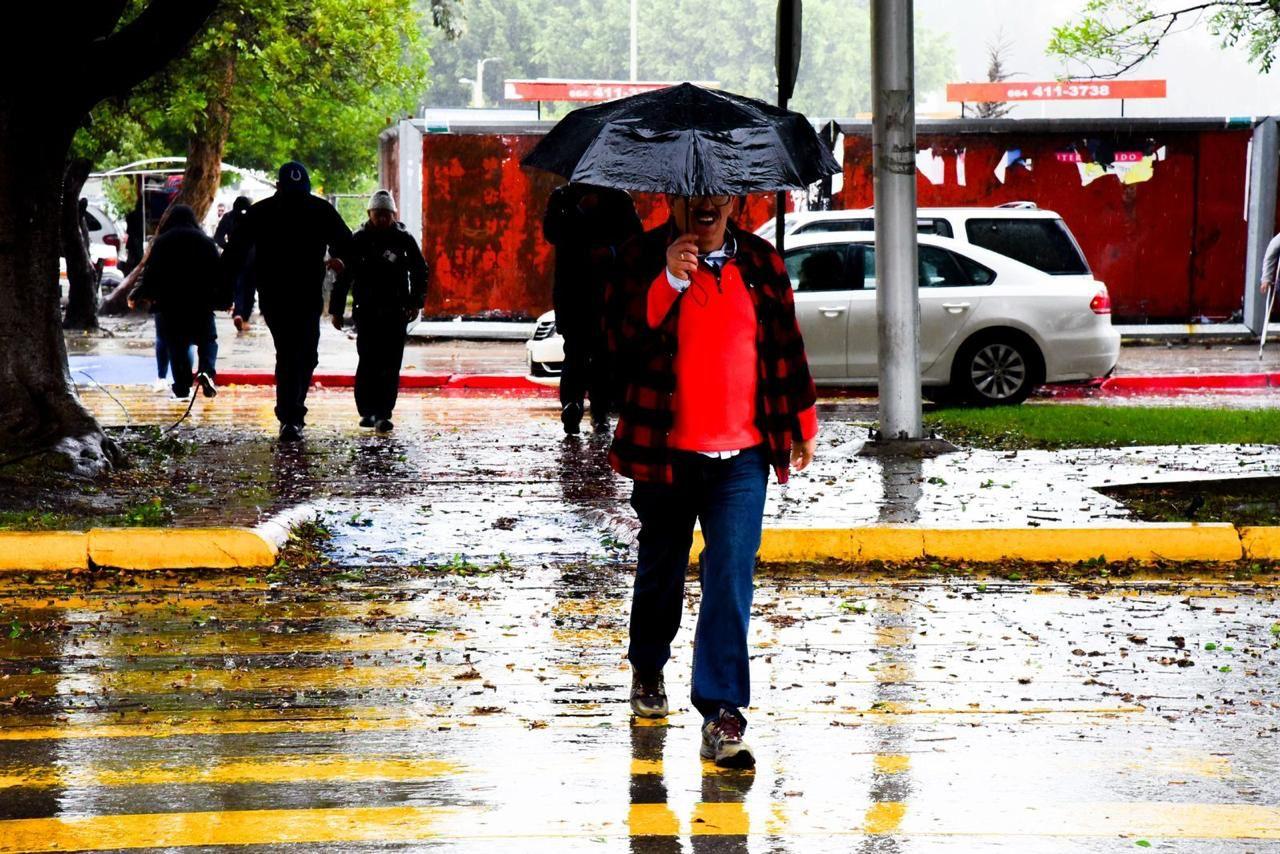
{"type": "Point", "coordinates": [1018, 230]}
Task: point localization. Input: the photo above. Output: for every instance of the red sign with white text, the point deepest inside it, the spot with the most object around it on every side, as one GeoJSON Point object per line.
{"type": "Point", "coordinates": [1057, 90]}
{"type": "Point", "coordinates": [577, 90]}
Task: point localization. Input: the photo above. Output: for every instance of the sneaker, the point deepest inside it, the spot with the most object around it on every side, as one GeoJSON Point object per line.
{"type": "Point", "coordinates": [384, 425]}
{"type": "Point", "coordinates": [206, 385]}
{"type": "Point", "coordinates": [368, 422]}
{"type": "Point", "coordinates": [240, 323]}
{"type": "Point", "coordinates": [180, 396]}
{"type": "Point", "coordinates": [722, 742]}
{"type": "Point", "coordinates": [571, 417]}
{"type": "Point", "coordinates": [290, 432]}
{"type": "Point", "coordinates": [648, 696]}
{"type": "Point", "coordinates": [160, 386]}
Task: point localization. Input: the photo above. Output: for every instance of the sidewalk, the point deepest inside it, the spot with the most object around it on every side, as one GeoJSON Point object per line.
{"type": "Point", "coordinates": [493, 475]}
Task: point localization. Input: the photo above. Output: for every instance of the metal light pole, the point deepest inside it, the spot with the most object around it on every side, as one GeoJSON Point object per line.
{"type": "Point", "coordinates": [634, 55]}
{"type": "Point", "coordinates": [477, 84]}
{"type": "Point", "coordinates": [893, 153]}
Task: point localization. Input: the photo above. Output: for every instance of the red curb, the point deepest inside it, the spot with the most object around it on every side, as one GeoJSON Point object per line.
{"type": "Point", "coordinates": [1178, 382]}
{"type": "Point", "coordinates": [487, 382]}
{"type": "Point", "coordinates": [516, 383]}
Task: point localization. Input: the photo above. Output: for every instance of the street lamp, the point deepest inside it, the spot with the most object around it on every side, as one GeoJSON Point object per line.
{"type": "Point", "coordinates": [477, 84]}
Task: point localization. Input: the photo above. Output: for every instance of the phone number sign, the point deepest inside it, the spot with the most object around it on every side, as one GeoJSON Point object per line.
{"type": "Point", "coordinates": [1057, 90]}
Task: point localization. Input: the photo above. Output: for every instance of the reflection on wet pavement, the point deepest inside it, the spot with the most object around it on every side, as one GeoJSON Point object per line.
{"type": "Point", "coordinates": [379, 708]}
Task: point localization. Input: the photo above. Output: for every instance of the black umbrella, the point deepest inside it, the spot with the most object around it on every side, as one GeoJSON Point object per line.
{"type": "Point", "coordinates": [686, 141]}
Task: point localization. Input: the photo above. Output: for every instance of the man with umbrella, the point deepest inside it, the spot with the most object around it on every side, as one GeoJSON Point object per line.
{"type": "Point", "coordinates": [718, 386]}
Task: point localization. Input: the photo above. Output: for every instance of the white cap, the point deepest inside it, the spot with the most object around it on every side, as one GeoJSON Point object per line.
{"type": "Point", "coordinates": [382, 200]}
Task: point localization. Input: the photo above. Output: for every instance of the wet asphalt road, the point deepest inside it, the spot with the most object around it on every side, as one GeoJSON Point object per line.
{"type": "Point", "coordinates": [453, 679]}
{"type": "Point", "coordinates": [371, 709]}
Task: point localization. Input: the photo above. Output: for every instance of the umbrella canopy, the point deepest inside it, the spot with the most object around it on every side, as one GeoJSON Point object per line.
{"type": "Point", "coordinates": [686, 141]}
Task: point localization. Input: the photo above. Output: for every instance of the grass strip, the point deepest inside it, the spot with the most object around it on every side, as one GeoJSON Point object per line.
{"type": "Point", "coordinates": [1072, 426]}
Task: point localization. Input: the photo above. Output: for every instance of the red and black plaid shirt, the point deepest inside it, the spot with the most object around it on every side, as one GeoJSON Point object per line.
{"type": "Point", "coordinates": [645, 356]}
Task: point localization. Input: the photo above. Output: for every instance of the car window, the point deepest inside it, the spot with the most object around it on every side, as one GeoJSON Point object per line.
{"type": "Point", "coordinates": [976, 273]}
{"type": "Point", "coordinates": [940, 227]}
{"type": "Point", "coordinates": [862, 264]}
{"type": "Point", "coordinates": [1042, 243]}
{"type": "Point", "coordinates": [818, 268]}
{"type": "Point", "coordinates": [939, 268]}
{"type": "Point", "coordinates": [92, 222]}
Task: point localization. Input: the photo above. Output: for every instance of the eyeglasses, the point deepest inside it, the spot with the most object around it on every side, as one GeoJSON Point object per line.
{"type": "Point", "coordinates": [718, 201]}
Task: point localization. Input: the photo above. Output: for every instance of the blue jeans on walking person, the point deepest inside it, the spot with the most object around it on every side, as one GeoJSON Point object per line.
{"type": "Point", "coordinates": [180, 332]}
{"type": "Point", "coordinates": [727, 497]}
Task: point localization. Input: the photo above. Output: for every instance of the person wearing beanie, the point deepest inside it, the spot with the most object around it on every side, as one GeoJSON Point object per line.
{"type": "Point", "coordinates": [387, 277]}
{"type": "Point", "coordinates": [288, 236]}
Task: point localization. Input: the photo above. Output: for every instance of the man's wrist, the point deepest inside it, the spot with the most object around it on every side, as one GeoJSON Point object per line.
{"type": "Point", "coordinates": [675, 282]}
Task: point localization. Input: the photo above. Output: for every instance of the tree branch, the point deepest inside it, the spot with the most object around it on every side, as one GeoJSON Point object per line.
{"type": "Point", "coordinates": [144, 45]}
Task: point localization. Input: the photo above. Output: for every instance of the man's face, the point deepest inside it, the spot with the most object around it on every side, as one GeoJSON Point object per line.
{"type": "Point", "coordinates": [705, 217]}
{"type": "Point", "coordinates": [222, 209]}
{"type": "Point", "coordinates": [381, 219]}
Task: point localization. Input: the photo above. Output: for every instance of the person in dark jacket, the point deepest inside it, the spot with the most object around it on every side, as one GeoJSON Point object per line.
{"type": "Point", "coordinates": [586, 224]}
{"type": "Point", "coordinates": [183, 280]}
{"type": "Point", "coordinates": [290, 233]}
{"type": "Point", "coordinates": [387, 275]}
{"type": "Point", "coordinates": [242, 308]}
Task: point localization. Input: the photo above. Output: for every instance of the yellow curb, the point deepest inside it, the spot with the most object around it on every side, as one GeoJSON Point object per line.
{"type": "Point", "coordinates": [44, 550]}
{"type": "Point", "coordinates": [179, 548]}
{"type": "Point", "coordinates": [1260, 543]}
{"type": "Point", "coordinates": [1211, 541]}
{"type": "Point", "coordinates": [1174, 542]}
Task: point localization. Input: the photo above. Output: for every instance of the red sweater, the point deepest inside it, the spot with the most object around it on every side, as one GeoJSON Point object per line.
{"type": "Point", "coordinates": [715, 397]}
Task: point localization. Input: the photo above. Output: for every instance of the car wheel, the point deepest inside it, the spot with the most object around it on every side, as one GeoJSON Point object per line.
{"type": "Point", "coordinates": [996, 370]}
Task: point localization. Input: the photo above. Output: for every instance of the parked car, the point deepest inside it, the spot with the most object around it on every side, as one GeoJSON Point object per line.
{"type": "Point", "coordinates": [992, 329]}
{"type": "Point", "coordinates": [994, 325]}
{"type": "Point", "coordinates": [105, 244]}
{"type": "Point", "coordinates": [544, 350]}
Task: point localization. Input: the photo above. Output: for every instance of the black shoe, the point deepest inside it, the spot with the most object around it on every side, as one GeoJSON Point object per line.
{"type": "Point", "coordinates": [384, 425]}
{"type": "Point", "coordinates": [206, 385]}
{"type": "Point", "coordinates": [368, 422]}
{"type": "Point", "coordinates": [571, 417]}
{"type": "Point", "coordinates": [722, 742]}
{"type": "Point", "coordinates": [290, 432]}
{"type": "Point", "coordinates": [648, 696]}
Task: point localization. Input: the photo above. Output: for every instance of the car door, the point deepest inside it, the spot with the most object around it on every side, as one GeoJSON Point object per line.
{"type": "Point", "coordinates": [951, 288]}
{"type": "Point", "coordinates": [820, 276]}
{"type": "Point", "coordinates": [862, 353]}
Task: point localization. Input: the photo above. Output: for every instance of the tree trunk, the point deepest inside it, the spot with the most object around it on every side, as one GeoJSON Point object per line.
{"type": "Point", "coordinates": [41, 418]}
{"type": "Point", "coordinates": [205, 146]}
{"type": "Point", "coordinates": [82, 278]}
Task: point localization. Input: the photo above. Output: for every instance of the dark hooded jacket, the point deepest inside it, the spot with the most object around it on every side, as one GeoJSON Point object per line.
{"type": "Point", "coordinates": [387, 273]}
{"type": "Point", "coordinates": [290, 233]}
{"type": "Point", "coordinates": [231, 221]}
{"type": "Point", "coordinates": [182, 274]}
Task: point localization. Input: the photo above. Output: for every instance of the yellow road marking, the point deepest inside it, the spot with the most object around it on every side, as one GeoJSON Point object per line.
{"type": "Point", "coordinates": [273, 769]}
{"type": "Point", "coordinates": [891, 763]}
{"type": "Point", "coordinates": [1149, 820]}
{"type": "Point", "coordinates": [377, 719]}
{"type": "Point", "coordinates": [884, 818]}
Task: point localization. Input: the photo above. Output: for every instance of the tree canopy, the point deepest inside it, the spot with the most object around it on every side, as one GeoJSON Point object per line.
{"type": "Point", "coordinates": [1111, 37]}
{"type": "Point", "coordinates": [278, 79]}
{"type": "Point", "coordinates": [731, 44]}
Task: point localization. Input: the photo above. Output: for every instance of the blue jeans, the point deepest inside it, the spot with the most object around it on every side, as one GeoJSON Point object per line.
{"type": "Point", "coordinates": [727, 496]}
{"type": "Point", "coordinates": [179, 334]}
